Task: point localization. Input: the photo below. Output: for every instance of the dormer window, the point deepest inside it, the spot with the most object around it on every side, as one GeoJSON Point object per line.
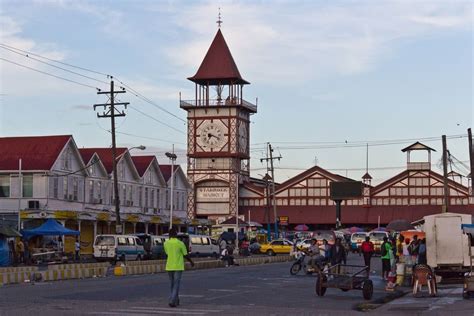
{"type": "Point", "coordinates": [67, 165]}
{"type": "Point", "coordinates": [150, 177]}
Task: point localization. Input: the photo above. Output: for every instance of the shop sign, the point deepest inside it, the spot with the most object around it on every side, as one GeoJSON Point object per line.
{"type": "Point", "coordinates": [27, 214]}
{"type": "Point", "coordinates": [132, 218]}
{"type": "Point", "coordinates": [283, 220]}
{"type": "Point", "coordinates": [212, 194]}
{"type": "Point", "coordinates": [65, 214]}
{"type": "Point", "coordinates": [155, 220]}
{"type": "Point", "coordinates": [103, 217]}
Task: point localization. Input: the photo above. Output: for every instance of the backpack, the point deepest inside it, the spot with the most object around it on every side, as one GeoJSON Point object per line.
{"type": "Point", "coordinates": [383, 249]}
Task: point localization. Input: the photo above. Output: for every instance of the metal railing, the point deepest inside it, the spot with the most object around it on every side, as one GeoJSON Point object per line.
{"type": "Point", "coordinates": [218, 102]}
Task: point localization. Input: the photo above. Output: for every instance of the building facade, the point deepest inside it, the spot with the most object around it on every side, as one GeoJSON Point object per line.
{"type": "Point", "coordinates": [50, 177]}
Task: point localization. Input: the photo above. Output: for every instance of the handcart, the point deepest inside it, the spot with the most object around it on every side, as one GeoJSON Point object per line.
{"type": "Point", "coordinates": [469, 276]}
{"type": "Point", "coordinates": [345, 277]}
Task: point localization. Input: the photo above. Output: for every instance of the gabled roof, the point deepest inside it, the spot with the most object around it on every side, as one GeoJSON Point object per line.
{"type": "Point", "coordinates": [142, 163]}
{"type": "Point", "coordinates": [417, 146]}
{"type": "Point", "coordinates": [218, 66]}
{"type": "Point", "coordinates": [367, 176]}
{"type": "Point", "coordinates": [87, 157]}
{"type": "Point", "coordinates": [35, 152]}
{"type": "Point", "coordinates": [454, 174]}
{"type": "Point", "coordinates": [166, 172]}
{"type": "Point", "coordinates": [305, 174]}
{"type": "Point", "coordinates": [105, 155]}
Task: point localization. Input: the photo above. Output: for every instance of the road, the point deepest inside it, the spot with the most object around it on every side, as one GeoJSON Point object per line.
{"type": "Point", "coordinates": [252, 290]}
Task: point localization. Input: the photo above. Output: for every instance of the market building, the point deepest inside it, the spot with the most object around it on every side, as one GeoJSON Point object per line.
{"type": "Point", "coordinates": [45, 177]}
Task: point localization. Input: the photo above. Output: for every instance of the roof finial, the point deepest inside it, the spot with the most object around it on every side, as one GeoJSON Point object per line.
{"type": "Point", "coordinates": [219, 18]}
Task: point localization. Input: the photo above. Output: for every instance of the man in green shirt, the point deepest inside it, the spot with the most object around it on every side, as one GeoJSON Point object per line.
{"type": "Point", "coordinates": [385, 250]}
{"type": "Point", "coordinates": [176, 253]}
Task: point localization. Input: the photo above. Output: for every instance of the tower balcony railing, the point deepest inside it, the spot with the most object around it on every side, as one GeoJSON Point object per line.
{"type": "Point", "coordinates": [218, 103]}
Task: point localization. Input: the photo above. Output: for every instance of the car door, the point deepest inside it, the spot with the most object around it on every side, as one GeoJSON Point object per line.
{"type": "Point", "coordinates": [131, 248]}
{"type": "Point", "coordinates": [277, 246]}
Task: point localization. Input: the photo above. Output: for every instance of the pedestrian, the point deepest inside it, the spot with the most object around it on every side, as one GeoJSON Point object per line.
{"type": "Point", "coordinates": [406, 253]}
{"type": "Point", "coordinates": [338, 254]}
{"type": "Point", "coordinates": [244, 247]}
{"type": "Point", "coordinates": [413, 249]}
{"type": "Point", "coordinates": [385, 250]}
{"type": "Point", "coordinates": [422, 252]}
{"type": "Point", "coordinates": [326, 249]}
{"type": "Point", "coordinates": [367, 249]}
{"type": "Point", "coordinates": [176, 252]}
{"type": "Point", "coordinates": [20, 249]}
{"type": "Point", "coordinates": [77, 248]}
{"type": "Point", "coordinates": [226, 256]}
{"type": "Point", "coordinates": [12, 252]}
{"type": "Point", "coordinates": [399, 245]}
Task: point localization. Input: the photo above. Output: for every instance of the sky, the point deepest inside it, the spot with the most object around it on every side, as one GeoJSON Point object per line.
{"type": "Point", "coordinates": [330, 76]}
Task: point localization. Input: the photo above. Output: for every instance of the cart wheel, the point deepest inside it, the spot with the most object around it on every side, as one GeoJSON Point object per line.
{"type": "Point", "coordinates": [320, 289]}
{"type": "Point", "coordinates": [368, 289]}
{"type": "Point", "coordinates": [295, 268]}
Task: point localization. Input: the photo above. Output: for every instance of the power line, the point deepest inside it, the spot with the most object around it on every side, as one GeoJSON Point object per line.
{"type": "Point", "coordinates": [49, 74]}
{"type": "Point", "coordinates": [157, 120]}
{"type": "Point", "coordinates": [57, 61]}
{"type": "Point", "coordinates": [150, 138]}
{"type": "Point", "coordinates": [51, 65]}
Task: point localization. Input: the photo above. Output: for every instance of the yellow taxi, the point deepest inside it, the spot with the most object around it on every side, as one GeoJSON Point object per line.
{"type": "Point", "coordinates": [277, 246]}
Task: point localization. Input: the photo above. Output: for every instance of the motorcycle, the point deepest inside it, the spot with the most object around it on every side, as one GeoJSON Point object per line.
{"type": "Point", "coordinates": [315, 267]}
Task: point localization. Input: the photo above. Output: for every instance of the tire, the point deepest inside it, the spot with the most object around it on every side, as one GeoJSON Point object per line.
{"type": "Point", "coordinates": [270, 252]}
{"type": "Point", "coordinates": [368, 289]}
{"type": "Point", "coordinates": [320, 289]}
{"type": "Point", "coordinates": [295, 268]}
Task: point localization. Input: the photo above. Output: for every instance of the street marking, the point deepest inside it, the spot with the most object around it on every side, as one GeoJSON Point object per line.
{"type": "Point", "coordinates": [191, 295]}
{"type": "Point", "coordinates": [222, 290]}
{"type": "Point", "coordinates": [173, 311]}
{"type": "Point", "coordinates": [179, 309]}
{"type": "Point", "coordinates": [249, 286]}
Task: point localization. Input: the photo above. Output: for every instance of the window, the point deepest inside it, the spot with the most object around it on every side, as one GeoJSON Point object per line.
{"type": "Point", "coordinates": [277, 243]}
{"type": "Point", "coordinates": [4, 186]}
{"type": "Point", "coordinates": [196, 241]}
{"type": "Point", "coordinates": [131, 241]}
{"type": "Point", "coordinates": [91, 191]}
{"type": "Point", "coordinates": [121, 168]}
{"type": "Point", "coordinates": [130, 193]}
{"type": "Point", "coordinates": [75, 189]}
{"type": "Point", "coordinates": [139, 196]}
{"type": "Point", "coordinates": [65, 187]}
{"type": "Point", "coordinates": [150, 177]}
{"type": "Point", "coordinates": [124, 194]}
{"type": "Point", "coordinates": [205, 241]}
{"type": "Point", "coordinates": [152, 198]}
{"type": "Point", "coordinates": [99, 190]}
{"type": "Point", "coordinates": [146, 197]}
{"type": "Point", "coordinates": [67, 165]}
{"type": "Point", "coordinates": [167, 200]}
{"type": "Point", "coordinates": [28, 185]}
{"type": "Point", "coordinates": [158, 198]}
{"type": "Point", "coordinates": [55, 187]}
{"type": "Point", "coordinates": [122, 241]}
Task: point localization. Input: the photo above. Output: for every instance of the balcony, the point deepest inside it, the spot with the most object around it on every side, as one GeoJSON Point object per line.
{"type": "Point", "coordinates": [189, 104]}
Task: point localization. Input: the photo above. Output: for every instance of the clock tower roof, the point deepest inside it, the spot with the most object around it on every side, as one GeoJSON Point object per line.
{"type": "Point", "coordinates": [218, 66]}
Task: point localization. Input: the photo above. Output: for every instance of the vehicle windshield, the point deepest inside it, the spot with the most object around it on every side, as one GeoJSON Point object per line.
{"type": "Point", "coordinates": [105, 241]}
{"type": "Point", "coordinates": [377, 236]}
{"type": "Point", "coordinates": [358, 236]}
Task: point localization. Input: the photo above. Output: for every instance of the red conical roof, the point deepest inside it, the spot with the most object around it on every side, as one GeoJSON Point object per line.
{"type": "Point", "coordinates": [218, 65]}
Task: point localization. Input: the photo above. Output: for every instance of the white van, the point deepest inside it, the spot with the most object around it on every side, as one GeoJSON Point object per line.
{"type": "Point", "coordinates": [118, 247]}
{"type": "Point", "coordinates": [201, 245]}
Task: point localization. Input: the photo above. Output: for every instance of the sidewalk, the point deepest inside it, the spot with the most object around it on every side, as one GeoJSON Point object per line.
{"type": "Point", "coordinates": [448, 302]}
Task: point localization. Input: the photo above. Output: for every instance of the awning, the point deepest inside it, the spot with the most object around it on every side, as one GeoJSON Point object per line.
{"type": "Point", "coordinates": [50, 228]}
{"type": "Point", "coordinates": [7, 231]}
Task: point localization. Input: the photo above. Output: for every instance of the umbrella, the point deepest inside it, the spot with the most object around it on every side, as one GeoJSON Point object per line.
{"type": "Point", "coordinates": [355, 229]}
{"type": "Point", "coordinates": [379, 229]}
{"type": "Point", "coordinates": [399, 225]}
{"type": "Point", "coordinates": [301, 227]}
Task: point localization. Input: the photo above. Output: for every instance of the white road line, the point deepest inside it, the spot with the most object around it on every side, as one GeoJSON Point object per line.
{"type": "Point", "coordinates": [179, 308]}
{"type": "Point", "coordinates": [248, 286]}
{"type": "Point", "coordinates": [174, 311]}
{"type": "Point", "coordinates": [221, 290]}
{"type": "Point", "coordinates": [191, 295]}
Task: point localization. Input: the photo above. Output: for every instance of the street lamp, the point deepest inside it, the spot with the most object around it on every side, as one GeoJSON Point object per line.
{"type": "Point", "coordinates": [141, 147]}
{"type": "Point", "coordinates": [172, 156]}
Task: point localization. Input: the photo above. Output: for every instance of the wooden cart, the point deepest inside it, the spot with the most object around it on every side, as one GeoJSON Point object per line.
{"type": "Point", "coordinates": [345, 277]}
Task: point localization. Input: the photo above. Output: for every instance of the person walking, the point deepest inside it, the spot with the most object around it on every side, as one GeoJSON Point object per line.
{"type": "Point", "coordinates": [20, 249]}
{"type": "Point", "coordinates": [385, 250]}
{"type": "Point", "coordinates": [77, 248]}
{"type": "Point", "coordinates": [413, 249]}
{"type": "Point", "coordinates": [176, 253]}
{"type": "Point", "coordinates": [367, 249]}
{"type": "Point", "coordinates": [399, 245]}
{"type": "Point", "coordinates": [338, 254]}
{"type": "Point", "coordinates": [422, 252]}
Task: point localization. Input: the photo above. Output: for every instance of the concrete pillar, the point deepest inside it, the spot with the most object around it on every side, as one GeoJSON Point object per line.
{"type": "Point", "coordinates": [146, 228]}
{"type": "Point", "coordinates": [79, 225]}
{"type": "Point", "coordinates": [134, 228]}
{"type": "Point", "coordinates": [123, 228]}
{"type": "Point", "coordinates": [95, 229]}
{"type": "Point", "coordinates": [108, 227]}
{"type": "Point", "coordinates": [156, 229]}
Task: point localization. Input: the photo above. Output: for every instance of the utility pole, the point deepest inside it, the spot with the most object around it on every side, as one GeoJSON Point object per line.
{"type": "Point", "coordinates": [272, 170]}
{"type": "Point", "coordinates": [445, 175]}
{"type": "Point", "coordinates": [471, 156]}
{"type": "Point", "coordinates": [172, 156]}
{"type": "Point", "coordinates": [112, 112]}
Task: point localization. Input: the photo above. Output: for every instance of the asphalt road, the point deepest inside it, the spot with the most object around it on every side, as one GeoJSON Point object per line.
{"type": "Point", "coordinates": [252, 290]}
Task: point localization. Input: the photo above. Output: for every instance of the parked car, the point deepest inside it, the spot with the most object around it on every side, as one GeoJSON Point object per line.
{"type": "Point", "coordinates": [118, 247]}
{"type": "Point", "coordinates": [202, 246]}
{"type": "Point", "coordinates": [376, 237]}
{"type": "Point", "coordinates": [356, 240]}
{"type": "Point", "coordinates": [276, 246]}
{"type": "Point", "coordinates": [153, 246]}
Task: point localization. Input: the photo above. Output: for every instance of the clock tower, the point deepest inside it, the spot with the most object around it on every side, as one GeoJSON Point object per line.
{"type": "Point", "coordinates": [218, 134]}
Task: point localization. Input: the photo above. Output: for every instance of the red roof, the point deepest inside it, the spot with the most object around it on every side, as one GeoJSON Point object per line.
{"type": "Point", "coordinates": [218, 65]}
{"type": "Point", "coordinates": [86, 154]}
{"type": "Point", "coordinates": [105, 155]}
{"type": "Point", "coordinates": [166, 171]}
{"type": "Point", "coordinates": [35, 152]}
{"type": "Point", "coordinates": [142, 163]}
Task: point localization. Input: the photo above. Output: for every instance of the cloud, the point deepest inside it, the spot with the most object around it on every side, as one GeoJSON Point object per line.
{"type": "Point", "coordinates": [297, 42]}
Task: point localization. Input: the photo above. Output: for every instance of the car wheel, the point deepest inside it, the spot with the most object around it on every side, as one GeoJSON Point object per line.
{"type": "Point", "coordinates": [270, 252]}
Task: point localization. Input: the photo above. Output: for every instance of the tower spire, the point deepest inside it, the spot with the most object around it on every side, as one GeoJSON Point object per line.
{"type": "Point", "coordinates": [219, 18]}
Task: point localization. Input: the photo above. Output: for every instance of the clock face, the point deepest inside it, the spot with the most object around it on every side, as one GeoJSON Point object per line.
{"type": "Point", "coordinates": [243, 137]}
{"type": "Point", "coordinates": [211, 136]}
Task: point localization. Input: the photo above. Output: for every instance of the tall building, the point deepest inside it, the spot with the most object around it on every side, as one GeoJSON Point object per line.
{"type": "Point", "coordinates": [218, 134]}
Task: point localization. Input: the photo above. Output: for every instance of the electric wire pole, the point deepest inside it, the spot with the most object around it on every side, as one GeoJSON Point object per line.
{"type": "Point", "coordinates": [471, 156]}
{"type": "Point", "coordinates": [112, 112]}
{"type": "Point", "coordinates": [272, 170]}
{"type": "Point", "coordinates": [445, 175]}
